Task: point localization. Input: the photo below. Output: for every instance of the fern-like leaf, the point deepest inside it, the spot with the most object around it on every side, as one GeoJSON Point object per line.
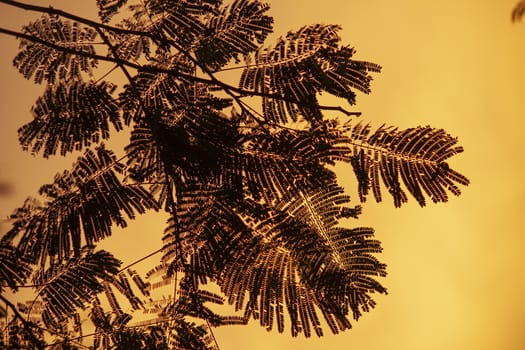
{"type": "Point", "coordinates": [173, 21]}
{"type": "Point", "coordinates": [130, 47]}
{"type": "Point", "coordinates": [300, 257]}
{"type": "Point", "coordinates": [47, 64]}
{"type": "Point", "coordinates": [237, 29]}
{"type": "Point", "coordinates": [299, 66]}
{"type": "Point", "coordinates": [14, 269]}
{"type": "Point", "coordinates": [81, 206]}
{"type": "Point", "coordinates": [108, 8]}
{"type": "Point", "coordinates": [123, 285]}
{"type": "Point", "coordinates": [155, 95]}
{"type": "Point", "coordinates": [70, 284]}
{"type": "Point", "coordinates": [269, 166]}
{"type": "Point", "coordinates": [70, 116]}
{"type": "Point", "coordinates": [415, 157]}
{"type": "Point", "coordinates": [269, 260]}
{"type": "Point", "coordinates": [189, 335]}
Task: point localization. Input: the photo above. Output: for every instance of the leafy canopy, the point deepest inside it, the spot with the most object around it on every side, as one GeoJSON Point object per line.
{"type": "Point", "coordinates": [244, 171]}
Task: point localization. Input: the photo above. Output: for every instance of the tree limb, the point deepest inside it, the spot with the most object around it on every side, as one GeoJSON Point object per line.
{"type": "Point", "coordinates": [118, 61]}
{"type": "Point", "coordinates": [52, 11]}
{"type": "Point", "coordinates": [99, 26]}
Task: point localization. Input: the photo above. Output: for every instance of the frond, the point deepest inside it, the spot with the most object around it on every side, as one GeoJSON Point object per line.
{"type": "Point", "coordinates": [156, 94]}
{"type": "Point", "coordinates": [112, 300]}
{"type": "Point", "coordinates": [300, 66]}
{"type": "Point", "coordinates": [21, 217]}
{"type": "Point", "coordinates": [172, 326]}
{"type": "Point", "coordinates": [189, 335]}
{"type": "Point", "coordinates": [268, 260]}
{"type": "Point", "coordinates": [216, 34]}
{"type": "Point", "coordinates": [81, 206]}
{"type": "Point", "coordinates": [72, 283]}
{"type": "Point", "coordinates": [123, 285]}
{"type": "Point", "coordinates": [173, 21]}
{"type": "Point", "coordinates": [143, 286]}
{"type": "Point", "coordinates": [190, 302]}
{"type": "Point", "coordinates": [130, 47]}
{"type": "Point", "coordinates": [145, 338]}
{"type": "Point", "coordinates": [271, 166]}
{"type": "Point", "coordinates": [14, 269]}
{"type": "Point", "coordinates": [47, 64]}
{"type": "Point", "coordinates": [128, 289]}
{"type": "Point", "coordinates": [185, 240]}
{"type": "Point", "coordinates": [164, 24]}
{"type": "Point", "coordinates": [111, 329]}
{"type": "Point", "coordinates": [144, 162]}
{"type": "Point", "coordinates": [301, 255]}
{"type": "Point", "coordinates": [70, 116]}
{"type": "Point", "coordinates": [236, 29]}
{"type": "Point", "coordinates": [109, 8]}
{"type": "Point", "coordinates": [415, 157]}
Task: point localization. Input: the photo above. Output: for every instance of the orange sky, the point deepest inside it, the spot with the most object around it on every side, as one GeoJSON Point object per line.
{"type": "Point", "coordinates": [456, 271]}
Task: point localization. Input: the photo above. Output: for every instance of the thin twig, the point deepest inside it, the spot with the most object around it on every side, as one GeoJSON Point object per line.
{"type": "Point", "coordinates": [73, 51]}
{"type": "Point", "coordinates": [53, 11]}
{"type": "Point", "coordinates": [212, 334]}
{"type": "Point", "coordinates": [140, 260]}
{"type": "Point", "coordinates": [119, 271]}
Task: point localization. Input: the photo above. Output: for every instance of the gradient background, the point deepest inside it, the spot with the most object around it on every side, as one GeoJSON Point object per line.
{"type": "Point", "coordinates": [456, 271]}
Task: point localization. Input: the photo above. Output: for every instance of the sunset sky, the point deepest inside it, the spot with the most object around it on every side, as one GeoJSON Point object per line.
{"type": "Point", "coordinates": [456, 270]}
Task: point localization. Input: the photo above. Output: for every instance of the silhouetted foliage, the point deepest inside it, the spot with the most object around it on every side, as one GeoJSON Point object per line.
{"type": "Point", "coordinates": [518, 11]}
{"type": "Point", "coordinates": [253, 200]}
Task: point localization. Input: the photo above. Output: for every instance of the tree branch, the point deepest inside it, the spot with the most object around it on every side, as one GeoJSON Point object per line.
{"type": "Point", "coordinates": [99, 26]}
{"type": "Point", "coordinates": [52, 11]}
{"type": "Point", "coordinates": [118, 61]}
